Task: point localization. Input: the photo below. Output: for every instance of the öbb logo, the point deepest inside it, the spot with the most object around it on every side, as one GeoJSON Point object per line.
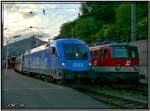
{"type": "Point", "coordinates": [77, 65]}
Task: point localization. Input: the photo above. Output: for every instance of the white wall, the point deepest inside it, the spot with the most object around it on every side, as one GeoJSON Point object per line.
{"type": "Point", "coordinates": [143, 55]}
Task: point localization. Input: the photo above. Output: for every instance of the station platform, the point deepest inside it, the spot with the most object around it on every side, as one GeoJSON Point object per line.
{"type": "Point", "coordinates": [20, 91]}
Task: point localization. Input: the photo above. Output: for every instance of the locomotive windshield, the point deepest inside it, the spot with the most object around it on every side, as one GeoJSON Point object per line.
{"type": "Point", "coordinates": [124, 52]}
{"type": "Point", "coordinates": [133, 52]}
{"type": "Point", "coordinates": [75, 51]}
{"type": "Point", "coordinates": [119, 52]}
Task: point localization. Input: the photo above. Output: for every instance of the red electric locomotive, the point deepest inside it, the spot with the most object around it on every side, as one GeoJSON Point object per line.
{"type": "Point", "coordinates": [115, 62]}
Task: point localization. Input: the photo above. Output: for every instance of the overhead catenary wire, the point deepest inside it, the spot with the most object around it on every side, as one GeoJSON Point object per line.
{"type": "Point", "coordinates": [51, 20]}
{"type": "Point", "coordinates": [47, 13]}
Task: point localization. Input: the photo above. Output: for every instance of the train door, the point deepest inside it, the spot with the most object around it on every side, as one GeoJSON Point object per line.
{"type": "Point", "coordinates": [55, 63]}
{"type": "Point", "coordinates": [100, 57]}
{"type": "Point", "coordinates": [105, 57]}
{"type": "Point", "coordinates": [94, 59]}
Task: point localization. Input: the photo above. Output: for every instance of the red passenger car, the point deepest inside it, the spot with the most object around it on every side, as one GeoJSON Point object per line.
{"type": "Point", "coordinates": [115, 62]}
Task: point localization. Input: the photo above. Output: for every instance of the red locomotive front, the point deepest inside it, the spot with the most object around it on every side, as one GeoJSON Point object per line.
{"type": "Point", "coordinates": [115, 62]}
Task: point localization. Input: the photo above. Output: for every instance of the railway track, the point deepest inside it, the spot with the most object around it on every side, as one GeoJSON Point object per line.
{"type": "Point", "coordinates": [143, 89]}
{"type": "Point", "coordinates": [115, 101]}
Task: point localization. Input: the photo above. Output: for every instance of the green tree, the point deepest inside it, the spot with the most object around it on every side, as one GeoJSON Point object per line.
{"type": "Point", "coordinates": [107, 20]}
{"type": "Point", "coordinates": [108, 31]}
{"type": "Point", "coordinates": [142, 22]}
{"type": "Point", "coordinates": [123, 20]}
{"type": "Point", "coordinates": [66, 28]}
{"type": "Point", "coordinates": [84, 9]}
{"type": "Point", "coordinates": [104, 12]}
{"type": "Point", "coordinates": [142, 27]}
{"type": "Point", "coordinates": [86, 28]}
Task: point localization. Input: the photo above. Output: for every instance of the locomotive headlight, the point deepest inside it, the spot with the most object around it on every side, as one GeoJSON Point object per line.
{"type": "Point", "coordinates": [63, 64]}
{"type": "Point", "coordinates": [89, 64]}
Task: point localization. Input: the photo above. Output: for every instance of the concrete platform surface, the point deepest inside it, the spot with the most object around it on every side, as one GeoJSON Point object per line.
{"type": "Point", "coordinates": [20, 91]}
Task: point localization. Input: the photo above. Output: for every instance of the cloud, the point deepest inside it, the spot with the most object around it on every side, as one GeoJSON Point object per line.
{"type": "Point", "coordinates": [27, 15]}
{"type": "Point", "coordinates": [10, 7]}
{"type": "Point", "coordinates": [19, 17]}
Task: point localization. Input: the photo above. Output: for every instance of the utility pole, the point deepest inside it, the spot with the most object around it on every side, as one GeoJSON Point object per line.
{"type": "Point", "coordinates": [133, 18]}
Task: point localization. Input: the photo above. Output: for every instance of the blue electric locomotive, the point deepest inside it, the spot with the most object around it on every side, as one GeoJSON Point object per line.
{"type": "Point", "coordinates": [58, 60]}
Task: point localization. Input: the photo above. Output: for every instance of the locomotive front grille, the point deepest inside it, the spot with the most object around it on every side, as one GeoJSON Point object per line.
{"type": "Point", "coordinates": [73, 72]}
{"type": "Point", "coordinates": [69, 74]}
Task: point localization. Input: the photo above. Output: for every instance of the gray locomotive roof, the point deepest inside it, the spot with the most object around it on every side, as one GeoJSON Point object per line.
{"type": "Point", "coordinates": [111, 44]}
{"type": "Point", "coordinates": [68, 40]}
{"type": "Point", "coordinates": [42, 47]}
{"type": "Point", "coordinates": [103, 45]}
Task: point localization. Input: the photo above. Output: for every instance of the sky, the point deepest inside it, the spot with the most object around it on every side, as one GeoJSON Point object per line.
{"type": "Point", "coordinates": [43, 17]}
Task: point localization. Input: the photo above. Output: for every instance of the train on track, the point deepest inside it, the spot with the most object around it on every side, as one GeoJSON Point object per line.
{"type": "Point", "coordinates": [115, 62]}
{"type": "Point", "coordinates": [72, 59]}
{"type": "Point", "coordinates": [62, 59]}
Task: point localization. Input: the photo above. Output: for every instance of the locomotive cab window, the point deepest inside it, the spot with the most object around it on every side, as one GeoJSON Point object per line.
{"type": "Point", "coordinates": [95, 52]}
{"type": "Point", "coordinates": [133, 53]}
{"type": "Point", "coordinates": [119, 51]}
{"type": "Point", "coordinates": [75, 51]}
{"type": "Point", "coordinates": [54, 52]}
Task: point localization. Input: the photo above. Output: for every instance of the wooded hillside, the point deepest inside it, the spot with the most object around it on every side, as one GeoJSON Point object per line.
{"type": "Point", "coordinates": [107, 21]}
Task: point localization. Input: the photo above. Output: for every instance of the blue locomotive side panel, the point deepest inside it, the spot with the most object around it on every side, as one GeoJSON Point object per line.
{"type": "Point", "coordinates": [41, 60]}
